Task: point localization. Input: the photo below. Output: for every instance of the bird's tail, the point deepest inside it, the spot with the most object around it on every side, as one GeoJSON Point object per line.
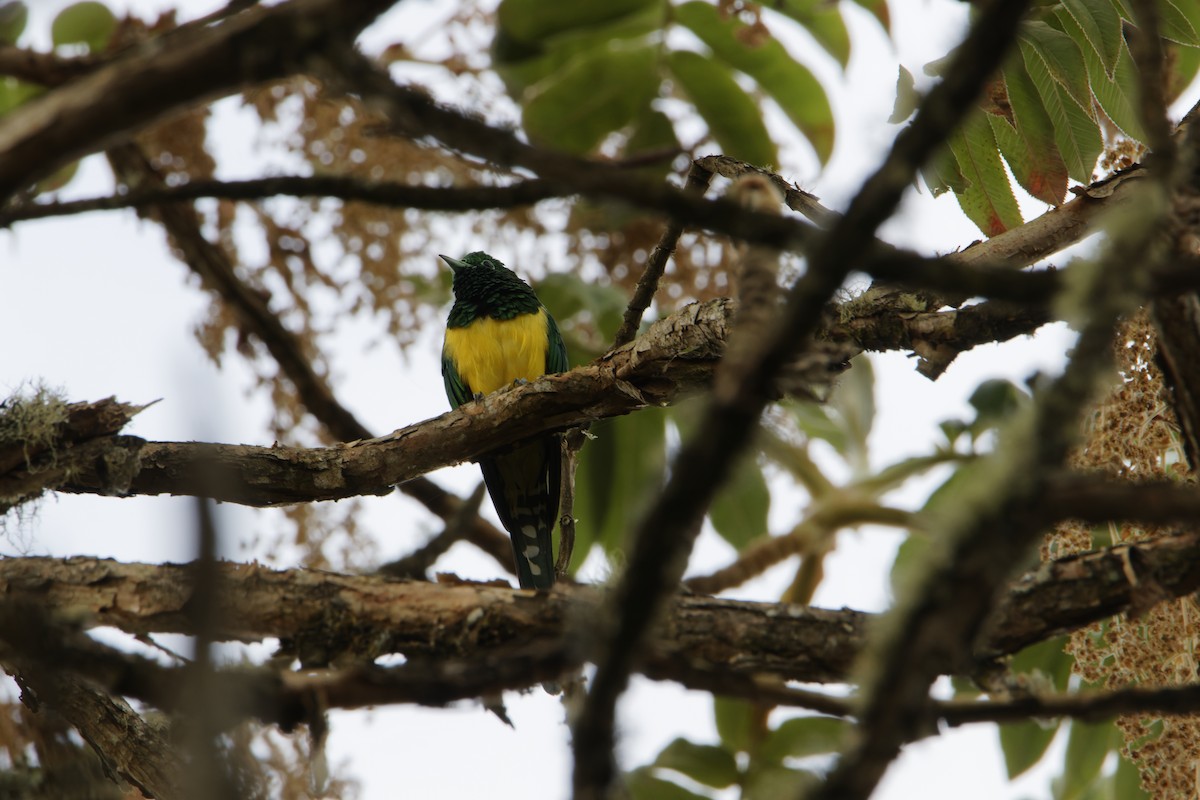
{"type": "Point", "coordinates": [524, 484]}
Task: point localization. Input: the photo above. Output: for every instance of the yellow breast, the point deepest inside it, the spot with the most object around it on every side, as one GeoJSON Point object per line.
{"type": "Point", "coordinates": [490, 354]}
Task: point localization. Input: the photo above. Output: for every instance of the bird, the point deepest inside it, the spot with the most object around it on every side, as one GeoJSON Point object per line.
{"type": "Point", "coordinates": [498, 333]}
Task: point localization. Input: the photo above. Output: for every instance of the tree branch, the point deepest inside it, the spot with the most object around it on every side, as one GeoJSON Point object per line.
{"type": "Point", "coordinates": [322, 618]}
{"type": "Point", "coordinates": [259, 44]}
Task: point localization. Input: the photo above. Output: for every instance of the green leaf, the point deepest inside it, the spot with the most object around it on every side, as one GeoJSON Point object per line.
{"type": "Point", "coordinates": [1100, 25]}
{"type": "Point", "coordinates": [1028, 142]}
{"type": "Point", "coordinates": [643, 785]}
{"type": "Point", "coordinates": [740, 508]}
{"type": "Point", "coordinates": [804, 736]}
{"type": "Point", "coordinates": [13, 17]}
{"type": "Point", "coordinates": [941, 174]}
{"type": "Point", "coordinates": [1075, 131]}
{"type": "Point", "coordinates": [587, 313]}
{"type": "Point", "coordinates": [854, 401]}
{"type": "Point", "coordinates": [1024, 744]}
{"type": "Point", "coordinates": [1087, 747]}
{"type": "Point", "coordinates": [1060, 56]}
{"type": "Point", "coordinates": [651, 133]}
{"type": "Point", "coordinates": [14, 93]}
{"type": "Point", "coordinates": [735, 722]}
{"type": "Point", "coordinates": [1175, 25]}
{"type": "Point", "coordinates": [595, 95]}
{"type": "Point", "coordinates": [823, 20]}
{"type": "Point", "coordinates": [995, 399]}
{"type": "Point", "coordinates": [703, 763]}
{"type": "Point", "coordinates": [988, 200]}
{"type": "Point", "coordinates": [1127, 781]}
{"type": "Point", "coordinates": [1115, 88]}
{"type": "Point", "coordinates": [907, 98]}
{"type": "Point", "coordinates": [789, 83]}
{"type": "Point", "coordinates": [733, 118]}
{"type": "Point", "coordinates": [88, 23]}
{"type": "Point", "coordinates": [58, 179]}
{"type": "Point", "coordinates": [1186, 63]}
{"type": "Point", "coordinates": [814, 421]}
{"type": "Point", "coordinates": [771, 783]}
{"type": "Point", "coordinates": [909, 564]}
{"type": "Point", "coordinates": [522, 64]}
{"type": "Point", "coordinates": [535, 20]}
{"type": "Point", "coordinates": [1047, 661]}
{"type": "Point", "coordinates": [619, 471]}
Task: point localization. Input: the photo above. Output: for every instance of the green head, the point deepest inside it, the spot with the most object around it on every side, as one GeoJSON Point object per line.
{"type": "Point", "coordinates": [484, 287]}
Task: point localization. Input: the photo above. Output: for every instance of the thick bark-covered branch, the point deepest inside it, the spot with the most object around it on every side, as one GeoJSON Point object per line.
{"type": "Point", "coordinates": [675, 356]}
{"type": "Point", "coordinates": [322, 617]}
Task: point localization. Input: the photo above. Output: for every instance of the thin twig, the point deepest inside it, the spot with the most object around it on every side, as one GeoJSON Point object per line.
{"type": "Point", "coordinates": [643, 294]}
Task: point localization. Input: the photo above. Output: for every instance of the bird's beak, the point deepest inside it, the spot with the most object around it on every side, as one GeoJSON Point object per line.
{"type": "Point", "coordinates": [454, 263]}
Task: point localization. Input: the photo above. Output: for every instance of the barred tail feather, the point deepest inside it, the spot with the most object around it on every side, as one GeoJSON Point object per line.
{"type": "Point", "coordinates": [524, 485]}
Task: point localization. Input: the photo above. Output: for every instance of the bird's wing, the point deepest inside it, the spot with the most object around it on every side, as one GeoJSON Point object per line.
{"type": "Point", "coordinates": [457, 390]}
{"type": "Point", "coordinates": [556, 349]}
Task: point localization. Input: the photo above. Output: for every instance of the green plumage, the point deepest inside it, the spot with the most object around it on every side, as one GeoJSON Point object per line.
{"type": "Point", "coordinates": [494, 336]}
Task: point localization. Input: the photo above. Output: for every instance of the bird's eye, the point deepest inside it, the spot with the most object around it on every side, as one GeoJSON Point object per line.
{"type": "Point", "coordinates": [488, 264]}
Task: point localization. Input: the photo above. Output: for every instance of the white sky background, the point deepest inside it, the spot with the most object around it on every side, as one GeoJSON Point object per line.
{"type": "Point", "coordinates": [95, 305]}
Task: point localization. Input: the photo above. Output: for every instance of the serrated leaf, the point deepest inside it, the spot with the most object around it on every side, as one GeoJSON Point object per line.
{"type": "Point", "coordinates": [802, 737]}
{"type": "Point", "coordinates": [735, 722]}
{"type": "Point", "coordinates": [1075, 132]}
{"type": "Point", "coordinates": [788, 82]}
{"type": "Point", "coordinates": [535, 20]}
{"type": "Point", "coordinates": [13, 17]}
{"type": "Point", "coordinates": [988, 200]}
{"type": "Point", "coordinates": [703, 763]}
{"type": "Point", "coordinates": [1088, 746]}
{"type": "Point", "coordinates": [88, 23]}
{"type": "Point", "coordinates": [941, 173]}
{"type": "Point", "coordinates": [1024, 744]}
{"type": "Point", "coordinates": [823, 20]}
{"type": "Point", "coordinates": [595, 95]}
{"type": "Point", "coordinates": [733, 118]}
{"type": "Point", "coordinates": [1028, 143]}
{"type": "Point", "coordinates": [907, 98]}
{"type": "Point", "coordinates": [1175, 25]}
{"type": "Point", "coordinates": [1115, 89]}
{"type": "Point", "coordinates": [1060, 56]}
{"type": "Point", "coordinates": [1100, 25]}
{"type": "Point", "coordinates": [643, 785]}
{"type": "Point", "coordinates": [739, 509]}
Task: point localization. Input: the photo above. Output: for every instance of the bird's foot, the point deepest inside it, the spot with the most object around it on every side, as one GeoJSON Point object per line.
{"type": "Point", "coordinates": [478, 396]}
